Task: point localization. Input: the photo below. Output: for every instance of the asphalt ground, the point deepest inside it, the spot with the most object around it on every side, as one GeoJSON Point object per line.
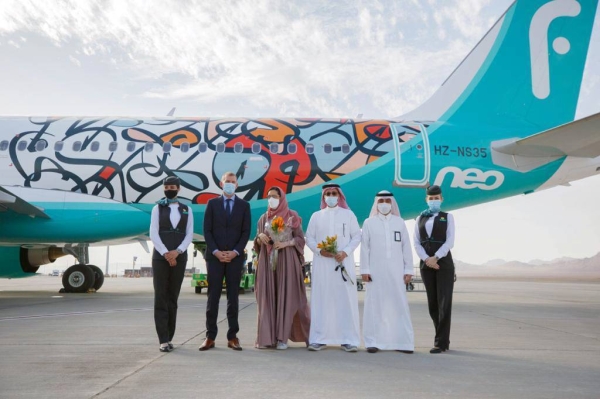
{"type": "Point", "coordinates": [510, 339]}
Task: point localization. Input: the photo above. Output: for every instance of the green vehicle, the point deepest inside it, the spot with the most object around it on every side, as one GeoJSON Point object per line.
{"type": "Point", "coordinates": [200, 281]}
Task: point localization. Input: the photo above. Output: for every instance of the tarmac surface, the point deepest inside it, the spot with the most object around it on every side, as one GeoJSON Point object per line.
{"type": "Point", "coordinates": [510, 339]}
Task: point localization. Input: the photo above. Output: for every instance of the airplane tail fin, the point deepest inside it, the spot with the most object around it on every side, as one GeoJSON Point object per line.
{"type": "Point", "coordinates": [524, 74]}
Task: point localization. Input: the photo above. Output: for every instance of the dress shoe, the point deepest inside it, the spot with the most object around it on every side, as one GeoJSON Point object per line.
{"type": "Point", "coordinates": [207, 344]}
{"type": "Point", "coordinates": [436, 350]}
{"type": "Point", "coordinates": [404, 351]}
{"type": "Point", "coordinates": [164, 348]}
{"type": "Point", "coordinates": [234, 344]}
{"type": "Point", "coordinates": [372, 349]}
{"type": "Point", "coordinates": [171, 346]}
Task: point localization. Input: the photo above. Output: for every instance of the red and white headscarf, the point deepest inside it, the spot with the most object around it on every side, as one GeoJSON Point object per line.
{"type": "Point", "coordinates": [385, 194]}
{"type": "Point", "coordinates": [284, 210]}
{"type": "Point", "coordinates": [341, 197]}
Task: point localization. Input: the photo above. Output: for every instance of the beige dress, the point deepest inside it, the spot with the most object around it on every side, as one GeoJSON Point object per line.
{"type": "Point", "coordinates": [283, 311]}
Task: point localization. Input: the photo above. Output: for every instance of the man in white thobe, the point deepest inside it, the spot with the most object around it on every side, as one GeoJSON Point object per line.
{"type": "Point", "coordinates": [386, 264]}
{"type": "Point", "coordinates": [334, 300]}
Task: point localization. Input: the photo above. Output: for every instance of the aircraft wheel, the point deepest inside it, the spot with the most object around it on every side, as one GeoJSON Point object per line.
{"type": "Point", "coordinates": [99, 276]}
{"type": "Point", "coordinates": [78, 278]}
{"type": "Point", "coordinates": [198, 289]}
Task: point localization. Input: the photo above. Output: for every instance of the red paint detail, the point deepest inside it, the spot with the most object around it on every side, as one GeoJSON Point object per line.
{"type": "Point", "coordinates": [107, 173]}
{"type": "Point", "coordinates": [204, 198]}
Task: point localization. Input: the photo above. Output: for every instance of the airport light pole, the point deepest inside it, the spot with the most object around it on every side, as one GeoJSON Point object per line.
{"type": "Point", "coordinates": [133, 271]}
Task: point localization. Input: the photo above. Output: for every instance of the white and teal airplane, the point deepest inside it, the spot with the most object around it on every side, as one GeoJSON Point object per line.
{"type": "Point", "coordinates": [499, 126]}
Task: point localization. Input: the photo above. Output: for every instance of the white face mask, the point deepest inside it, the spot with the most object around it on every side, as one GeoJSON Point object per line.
{"type": "Point", "coordinates": [384, 208]}
{"type": "Point", "coordinates": [229, 188]}
{"type": "Point", "coordinates": [273, 203]}
{"type": "Point", "coordinates": [331, 201]}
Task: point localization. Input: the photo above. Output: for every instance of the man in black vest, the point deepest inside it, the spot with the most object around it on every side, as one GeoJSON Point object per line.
{"type": "Point", "coordinates": [226, 230]}
{"type": "Point", "coordinates": [171, 232]}
{"type": "Point", "coordinates": [434, 237]}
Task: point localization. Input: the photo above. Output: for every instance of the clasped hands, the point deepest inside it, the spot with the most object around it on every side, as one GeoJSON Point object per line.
{"type": "Point", "coordinates": [171, 257]}
{"type": "Point", "coordinates": [339, 257]}
{"type": "Point", "coordinates": [225, 256]}
{"type": "Point", "coordinates": [265, 239]}
{"type": "Point", "coordinates": [432, 262]}
{"type": "Point", "coordinates": [367, 278]}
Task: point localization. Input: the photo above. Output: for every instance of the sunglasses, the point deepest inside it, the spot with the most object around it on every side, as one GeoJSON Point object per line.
{"type": "Point", "coordinates": [331, 194]}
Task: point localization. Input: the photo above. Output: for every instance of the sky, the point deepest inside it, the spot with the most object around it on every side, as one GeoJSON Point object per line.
{"type": "Point", "coordinates": [267, 58]}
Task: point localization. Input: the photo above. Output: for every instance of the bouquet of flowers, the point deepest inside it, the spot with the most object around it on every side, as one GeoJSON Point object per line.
{"type": "Point", "coordinates": [279, 231]}
{"type": "Point", "coordinates": [330, 245]}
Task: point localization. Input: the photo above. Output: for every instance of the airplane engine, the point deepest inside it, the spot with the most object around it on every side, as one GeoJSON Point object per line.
{"type": "Point", "coordinates": [32, 258]}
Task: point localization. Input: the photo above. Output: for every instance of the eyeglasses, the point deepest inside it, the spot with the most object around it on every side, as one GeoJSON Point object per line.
{"type": "Point", "coordinates": [331, 194]}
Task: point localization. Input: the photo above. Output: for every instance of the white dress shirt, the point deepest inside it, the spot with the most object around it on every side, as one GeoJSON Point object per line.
{"type": "Point", "coordinates": [445, 248]}
{"type": "Point", "coordinates": [175, 218]}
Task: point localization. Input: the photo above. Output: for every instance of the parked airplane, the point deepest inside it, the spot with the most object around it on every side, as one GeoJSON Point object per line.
{"type": "Point", "coordinates": [497, 127]}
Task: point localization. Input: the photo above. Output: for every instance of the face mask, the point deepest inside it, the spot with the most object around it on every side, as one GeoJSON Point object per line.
{"type": "Point", "coordinates": [384, 208]}
{"type": "Point", "coordinates": [273, 203]}
{"type": "Point", "coordinates": [229, 188]}
{"type": "Point", "coordinates": [170, 194]}
{"type": "Point", "coordinates": [434, 205]}
{"type": "Point", "coordinates": [331, 201]}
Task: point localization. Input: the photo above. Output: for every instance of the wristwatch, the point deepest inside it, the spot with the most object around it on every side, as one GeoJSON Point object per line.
{"type": "Point", "coordinates": [179, 251]}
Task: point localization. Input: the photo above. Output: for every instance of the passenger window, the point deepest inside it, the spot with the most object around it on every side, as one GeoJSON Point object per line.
{"type": "Point", "coordinates": [310, 148]}
{"type": "Point", "coordinates": [58, 146]}
{"type": "Point", "coordinates": [220, 147]}
{"type": "Point", "coordinates": [238, 148]}
{"type": "Point", "coordinates": [167, 147]}
{"type": "Point", "coordinates": [21, 145]}
{"type": "Point", "coordinates": [95, 146]}
{"type": "Point", "coordinates": [148, 147]}
{"type": "Point", "coordinates": [184, 147]}
{"type": "Point", "coordinates": [41, 145]}
{"type": "Point", "coordinates": [4, 145]}
{"type": "Point", "coordinates": [77, 146]}
{"type": "Point", "coordinates": [274, 148]}
{"type": "Point", "coordinates": [345, 148]}
{"type": "Point", "coordinates": [112, 146]}
{"type": "Point", "coordinates": [327, 148]}
{"type": "Point", "coordinates": [202, 147]}
{"type": "Point", "coordinates": [131, 146]}
{"type": "Point", "coordinates": [292, 148]}
{"type": "Point", "coordinates": [256, 148]}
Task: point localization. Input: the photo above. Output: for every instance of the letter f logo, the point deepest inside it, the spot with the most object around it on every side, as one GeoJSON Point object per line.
{"type": "Point", "coordinates": [538, 42]}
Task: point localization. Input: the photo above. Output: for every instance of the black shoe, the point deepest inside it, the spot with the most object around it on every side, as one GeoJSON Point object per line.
{"type": "Point", "coordinates": [164, 348]}
{"type": "Point", "coordinates": [171, 347]}
{"type": "Point", "coordinates": [436, 350]}
{"type": "Point", "coordinates": [409, 352]}
{"type": "Point", "coordinates": [372, 349]}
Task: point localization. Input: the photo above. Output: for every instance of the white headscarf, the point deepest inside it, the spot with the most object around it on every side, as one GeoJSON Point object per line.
{"type": "Point", "coordinates": [385, 194]}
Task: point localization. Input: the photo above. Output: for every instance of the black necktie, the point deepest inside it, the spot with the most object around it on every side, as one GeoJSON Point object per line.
{"type": "Point", "coordinates": [228, 206]}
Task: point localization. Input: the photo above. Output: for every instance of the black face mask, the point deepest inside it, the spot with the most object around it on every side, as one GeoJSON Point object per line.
{"type": "Point", "coordinates": [170, 194]}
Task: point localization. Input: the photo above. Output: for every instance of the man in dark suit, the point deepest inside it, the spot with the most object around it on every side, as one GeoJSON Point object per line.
{"type": "Point", "coordinates": [226, 230]}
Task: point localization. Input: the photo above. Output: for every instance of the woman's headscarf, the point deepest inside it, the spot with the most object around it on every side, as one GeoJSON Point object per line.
{"type": "Point", "coordinates": [385, 194]}
{"type": "Point", "coordinates": [284, 210]}
{"type": "Point", "coordinates": [341, 197]}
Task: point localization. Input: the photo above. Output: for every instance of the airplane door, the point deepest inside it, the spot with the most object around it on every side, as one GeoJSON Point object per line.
{"type": "Point", "coordinates": [411, 147]}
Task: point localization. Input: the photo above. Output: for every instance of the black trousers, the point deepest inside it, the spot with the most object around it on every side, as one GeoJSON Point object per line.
{"type": "Point", "coordinates": [167, 285]}
{"type": "Point", "coordinates": [439, 285]}
{"type": "Point", "coordinates": [233, 274]}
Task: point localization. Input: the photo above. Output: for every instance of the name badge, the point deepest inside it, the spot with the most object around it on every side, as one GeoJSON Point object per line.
{"type": "Point", "coordinates": [397, 236]}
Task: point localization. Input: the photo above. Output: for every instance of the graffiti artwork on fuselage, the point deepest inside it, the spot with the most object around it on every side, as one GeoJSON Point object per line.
{"type": "Point", "coordinates": [127, 159]}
